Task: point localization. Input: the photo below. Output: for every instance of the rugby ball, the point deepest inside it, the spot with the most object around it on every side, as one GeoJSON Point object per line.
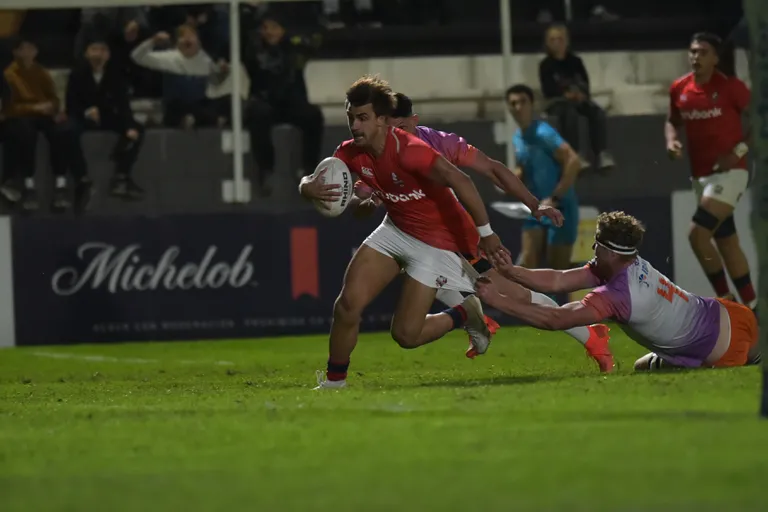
{"type": "Point", "coordinates": [336, 173]}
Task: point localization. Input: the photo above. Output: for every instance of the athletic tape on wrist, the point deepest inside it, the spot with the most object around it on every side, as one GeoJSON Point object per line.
{"type": "Point", "coordinates": [741, 149]}
{"type": "Point", "coordinates": [485, 230]}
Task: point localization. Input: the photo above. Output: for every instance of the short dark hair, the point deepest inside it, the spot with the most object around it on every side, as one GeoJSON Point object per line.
{"type": "Point", "coordinates": [96, 38]}
{"type": "Point", "coordinates": [619, 229]}
{"type": "Point", "coordinates": [520, 89]}
{"type": "Point", "coordinates": [403, 106]}
{"type": "Point", "coordinates": [374, 90]}
{"type": "Point", "coordinates": [711, 39]}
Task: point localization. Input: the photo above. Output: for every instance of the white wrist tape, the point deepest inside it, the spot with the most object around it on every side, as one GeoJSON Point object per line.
{"type": "Point", "coordinates": [741, 149]}
{"type": "Point", "coordinates": [484, 230]}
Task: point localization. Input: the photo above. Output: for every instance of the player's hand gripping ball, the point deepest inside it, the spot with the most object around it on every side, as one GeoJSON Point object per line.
{"type": "Point", "coordinates": [332, 175]}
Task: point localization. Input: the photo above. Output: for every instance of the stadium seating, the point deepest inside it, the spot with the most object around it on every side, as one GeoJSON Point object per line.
{"type": "Point", "coordinates": [462, 87]}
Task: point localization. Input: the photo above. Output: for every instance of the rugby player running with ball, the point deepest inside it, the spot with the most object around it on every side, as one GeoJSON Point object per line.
{"type": "Point", "coordinates": [425, 231]}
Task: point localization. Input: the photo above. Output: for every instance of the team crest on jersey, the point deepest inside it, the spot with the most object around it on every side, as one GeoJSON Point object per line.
{"type": "Point", "coordinates": [683, 97]}
{"type": "Point", "coordinates": [397, 181]}
{"type": "Point", "coordinates": [644, 280]}
{"type": "Point", "coordinates": [366, 172]}
{"type": "Point", "coordinates": [441, 281]}
{"type": "Point", "coordinates": [714, 96]}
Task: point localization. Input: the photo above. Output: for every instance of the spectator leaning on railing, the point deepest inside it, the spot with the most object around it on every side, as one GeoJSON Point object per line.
{"type": "Point", "coordinates": [187, 70]}
{"type": "Point", "coordinates": [33, 107]}
{"type": "Point", "coordinates": [97, 99]}
{"type": "Point", "coordinates": [275, 63]}
{"type": "Point", "coordinates": [565, 85]}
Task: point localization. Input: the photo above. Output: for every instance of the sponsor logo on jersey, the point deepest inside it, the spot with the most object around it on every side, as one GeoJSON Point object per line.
{"type": "Point", "coordinates": [643, 279]}
{"type": "Point", "coordinates": [696, 115]}
{"type": "Point", "coordinates": [416, 195]}
{"type": "Point", "coordinates": [441, 281]}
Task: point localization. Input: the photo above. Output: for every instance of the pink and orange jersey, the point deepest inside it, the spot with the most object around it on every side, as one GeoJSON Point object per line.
{"type": "Point", "coordinates": [679, 326]}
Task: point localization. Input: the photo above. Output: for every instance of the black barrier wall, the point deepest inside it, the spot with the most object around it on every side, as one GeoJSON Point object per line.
{"type": "Point", "coordinates": [212, 276]}
{"type": "Point", "coordinates": [183, 171]}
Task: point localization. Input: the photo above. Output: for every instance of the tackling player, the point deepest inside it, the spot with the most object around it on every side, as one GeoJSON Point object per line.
{"type": "Point", "coordinates": [710, 105]}
{"type": "Point", "coordinates": [461, 154]}
{"type": "Point", "coordinates": [424, 232]}
{"type": "Point", "coordinates": [549, 166]}
{"type": "Point", "coordinates": [680, 328]}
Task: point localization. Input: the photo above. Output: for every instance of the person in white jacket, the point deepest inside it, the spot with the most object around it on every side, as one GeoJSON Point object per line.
{"type": "Point", "coordinates": [187, 72]}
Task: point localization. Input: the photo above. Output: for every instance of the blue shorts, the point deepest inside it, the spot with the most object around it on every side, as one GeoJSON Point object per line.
{"type": "Point", "coordinates": [565, 234]}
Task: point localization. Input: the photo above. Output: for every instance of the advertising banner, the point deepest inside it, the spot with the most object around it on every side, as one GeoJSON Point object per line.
{"type": "Point", "coordinates": [217, 276]}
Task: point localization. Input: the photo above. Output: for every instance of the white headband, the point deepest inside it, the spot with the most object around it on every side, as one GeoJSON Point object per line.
{"type": "Point", "coordinates": [618, 249]}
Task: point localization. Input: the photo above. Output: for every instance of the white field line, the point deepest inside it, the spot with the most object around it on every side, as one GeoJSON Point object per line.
{"type": "Point", "coordinates": [125, 360]}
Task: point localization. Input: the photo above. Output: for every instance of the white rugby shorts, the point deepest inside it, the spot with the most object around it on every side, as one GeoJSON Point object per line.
{"type": "Point", "coordinates": [432, 267]}
{"type": "Point", "coordinates": [726, 187]}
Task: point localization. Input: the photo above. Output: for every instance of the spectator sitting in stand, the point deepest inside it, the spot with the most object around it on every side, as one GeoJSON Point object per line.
{"type": "Point", "coordinates": [33, 107]}
{"type": "Point", "coordinates": [210, 21]}
{"type": "Point", "coordinates": [187, 70]}
{"type": "Point", "coordinates": [565, 84]}
{"type": "Point", "coordinates": [97, 99]}
{"type": "Point", "coordinates": [275, 64]}
{"type": "Point", "coordinates": [123, 28]}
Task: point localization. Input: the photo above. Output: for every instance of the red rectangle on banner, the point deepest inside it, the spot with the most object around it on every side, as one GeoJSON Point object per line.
{"type": "Point", "coordinates": [305, 275]}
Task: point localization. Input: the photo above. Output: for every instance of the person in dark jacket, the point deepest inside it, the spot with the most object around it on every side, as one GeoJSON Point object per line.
{"type": "Point", "coordinates": [97, 99]}
{"type": "Point", "coordinates": [275, 64]}
{"type": "Point", "coordinates": [33, 107]}
{"type": "Point", "coordinates": [124, 28]}
{"type": "Point", "coordinates": [565, 85]}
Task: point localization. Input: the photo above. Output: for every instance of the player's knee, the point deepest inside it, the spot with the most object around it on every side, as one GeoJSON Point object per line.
{"type": "Point", "coordinates": [703, 224]}
{"type": "Point", "coordinates": [405, 336]}
{"type": "Point", "coordinates": [347, 309]}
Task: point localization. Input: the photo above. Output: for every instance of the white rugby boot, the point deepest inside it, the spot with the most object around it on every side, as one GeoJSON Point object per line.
{"type": "Point", "coordinates": [323, 383]}
{"type": "Point", "coordinates": [476, 327]}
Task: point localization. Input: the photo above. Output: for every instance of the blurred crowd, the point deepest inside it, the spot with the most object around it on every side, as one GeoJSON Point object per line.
{"type": "Point", "coordinates": [179, 56]}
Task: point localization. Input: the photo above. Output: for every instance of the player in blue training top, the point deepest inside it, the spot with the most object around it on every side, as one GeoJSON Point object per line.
{"type": "Point", "coordinates": [549, 167]}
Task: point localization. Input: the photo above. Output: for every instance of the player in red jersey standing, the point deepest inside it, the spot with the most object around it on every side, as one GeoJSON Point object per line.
{"type": "Point", "coordinates": [424, 232]}
{"type": "Point", "coordinates": [710, 105]}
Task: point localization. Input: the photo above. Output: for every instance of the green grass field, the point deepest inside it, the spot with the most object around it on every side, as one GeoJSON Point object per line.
{"type": "Point", "coordinates": [234, 425]}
